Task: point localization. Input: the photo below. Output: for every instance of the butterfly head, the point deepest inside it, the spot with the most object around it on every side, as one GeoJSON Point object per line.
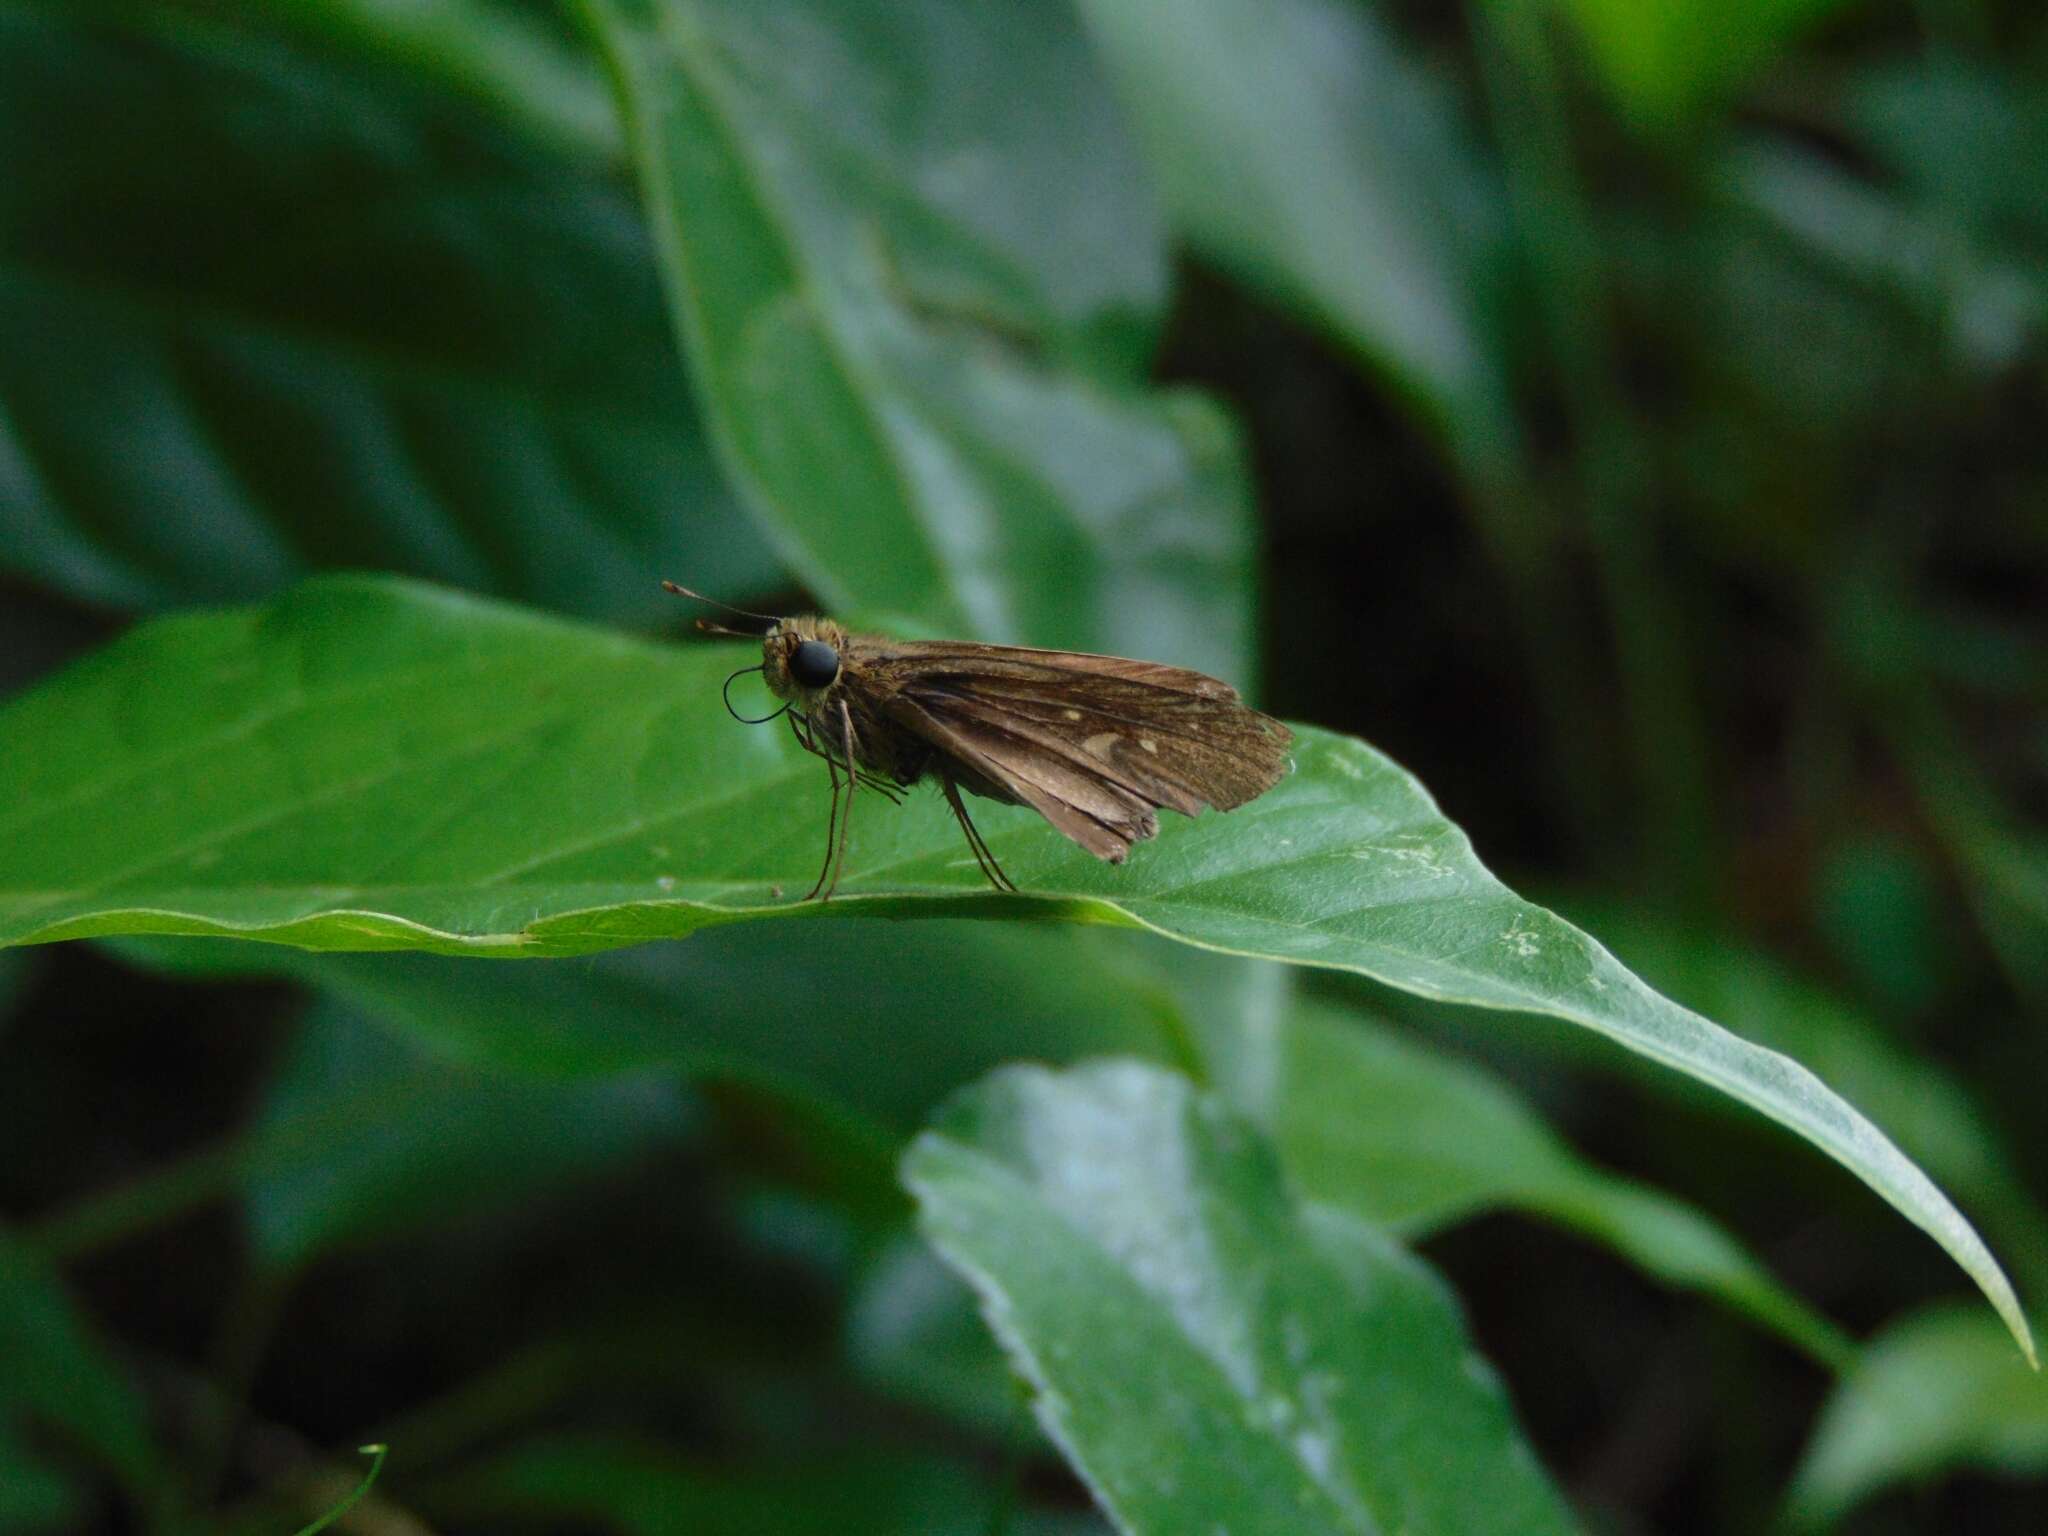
{"type": "Point", "coordinates": [801, 658]}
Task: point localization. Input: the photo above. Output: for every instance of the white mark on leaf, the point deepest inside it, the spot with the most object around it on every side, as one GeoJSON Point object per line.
{"type": "Point", "coordinates": [1423, 860]}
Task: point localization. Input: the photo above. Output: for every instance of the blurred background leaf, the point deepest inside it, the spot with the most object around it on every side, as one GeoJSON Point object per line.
{"type": "Point", "coordinates": [937, 300]}
{"type": "Point", "coordinates": [1296, 145]}
{"type": "Point", "coordinates": [377, 332]}
{"type": "Point", "coordinates": [1932, 1393]}
{"type": "Point", "coordinates": [60, 1375]}
{"type": "Point", "coordinates": [1411, 1139]}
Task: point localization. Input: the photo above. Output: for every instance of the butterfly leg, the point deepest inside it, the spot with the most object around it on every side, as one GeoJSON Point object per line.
{"type": "Point", "coordinates": [882, 787]}
{"type": "Point", "coordinates": [976, 843]}
{"type": "Point", "coordinates": [831, 827]}
{"type": "Point", "coordinates": [889, 792]}
{"type": "Point", "coordinates": [835, 860]}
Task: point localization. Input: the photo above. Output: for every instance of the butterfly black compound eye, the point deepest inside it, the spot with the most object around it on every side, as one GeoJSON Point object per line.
{"type": "Point", "coordinates": [813, 664]}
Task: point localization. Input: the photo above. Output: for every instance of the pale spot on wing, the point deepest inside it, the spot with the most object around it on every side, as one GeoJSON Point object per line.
{"type": "Point", "coordinates": [1073, 714]}
{"type": "Point", "coordinates": [1148, 744]}
{"type": "Point", "coordinates": [1100, 743]}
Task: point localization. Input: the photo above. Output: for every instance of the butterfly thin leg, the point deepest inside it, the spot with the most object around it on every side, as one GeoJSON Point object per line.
{"type": "Point", "coordinates": [835, 859]}
{"type": "Point", "coordinates": [976, 843]}
{"type": "Point", "coordinates": [889, 792]}
{"type": "Point", "coordinates": [831, 828]}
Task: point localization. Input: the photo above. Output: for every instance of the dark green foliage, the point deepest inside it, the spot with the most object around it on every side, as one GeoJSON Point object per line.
{"type": "Point", "coordinates": [1626, 417]}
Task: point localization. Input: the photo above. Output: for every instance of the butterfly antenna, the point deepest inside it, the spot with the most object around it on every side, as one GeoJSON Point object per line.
{"type": "Point", "coordinates": [745, 613]}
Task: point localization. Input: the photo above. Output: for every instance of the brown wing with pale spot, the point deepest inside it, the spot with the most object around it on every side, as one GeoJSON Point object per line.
{"type": "Point", "coordinates": [1095, 744]}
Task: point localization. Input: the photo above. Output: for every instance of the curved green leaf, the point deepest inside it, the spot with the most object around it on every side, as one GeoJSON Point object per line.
{"type": "Point", "coordinates": [1931, 1394]}
{"type": "Point", "coordinates": [1208, 1354]}
{"type": "Point", "coordinates": [917, 309]}
{"type": "Point", "coordinates": [1932, 1114]}
{"type": "Point", "coordinates": [371, 764]}
{"type": "Point", "coordinates": [265, 315]}
{"type": "Point", "coordinates": [1416, 1139]}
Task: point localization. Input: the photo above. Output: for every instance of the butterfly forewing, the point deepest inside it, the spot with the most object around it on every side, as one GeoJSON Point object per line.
{"type": "Point", "coordinates": [1095, 744]}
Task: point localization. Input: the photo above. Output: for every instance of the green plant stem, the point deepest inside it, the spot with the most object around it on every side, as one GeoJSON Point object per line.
{"type": "Point", "coordinates": [376, 1453]}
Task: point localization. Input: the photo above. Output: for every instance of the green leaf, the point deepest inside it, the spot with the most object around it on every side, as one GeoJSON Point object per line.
{"type": "Point", "coordinates": [1415, 1139]}
{"type": "Point", "coordinates": [369, 764]}
{"type": "Point", "coordinates": [453, 1141]}
{"type": "Point", "coordinates": [917, 308]}
{"type": "Point", "coordinates": [1934, 1116]}
{"type": "Point", "coordinates": [1672, 60]}
{"type": "Point", "coordinates": [57, 1373]}
{"type": "Point", "coordinates": [1943, 124]}
{"type": "Point", "coordinates": [1297, 146]}
{"type": "Point", "coordinates": [267, 315]}
{"type": "Point", "coordinates": [1208, 1353]}
{"type": "Point", "coordinates": [1861, 242]}
{"type": "Point", "coordinates": [1934, 1393]}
